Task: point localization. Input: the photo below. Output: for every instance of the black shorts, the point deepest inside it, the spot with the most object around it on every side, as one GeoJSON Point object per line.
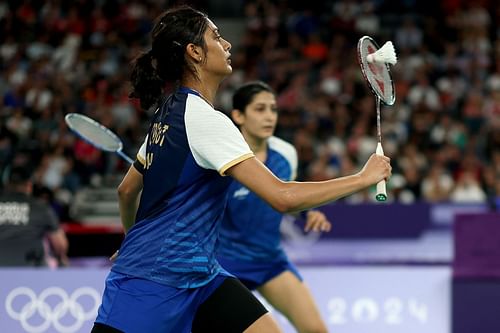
{"type": "Point", "coordinates": [232, 308]}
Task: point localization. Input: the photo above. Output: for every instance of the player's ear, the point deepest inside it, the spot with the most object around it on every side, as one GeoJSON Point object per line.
{"type": "Point", "coordinates": [194, 52]}
{"type": "Point", "coordinates": [238, 117]}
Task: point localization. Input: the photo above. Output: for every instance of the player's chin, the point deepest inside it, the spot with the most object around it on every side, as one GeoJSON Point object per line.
{"type": "Point", "coordinates": [265, 135]}
{"type": "Point", "coordinates": [225, 71]}
{"type": "Point", "coordinates": [268, 131]}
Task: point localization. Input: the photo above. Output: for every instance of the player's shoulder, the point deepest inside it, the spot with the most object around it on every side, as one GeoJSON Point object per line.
{"type": "Point", "coordinates": [197, 109]}
{"type": "Point", "coordinates": [284, 149]}
{"type": "Point", "coordinates": [196, 100]}
{"type": "Point", "coordinates": [281, 146]}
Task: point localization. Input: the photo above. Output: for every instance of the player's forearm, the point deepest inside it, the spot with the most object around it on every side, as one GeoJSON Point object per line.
{"type": "Point", "coordinates": [128, 209]}
{"type": "Point", "coordinates": [297, 196]}
{"type": "Point", "coordinates": [288, 197]}
{"type": "Point", "coordinates": [129, 192]}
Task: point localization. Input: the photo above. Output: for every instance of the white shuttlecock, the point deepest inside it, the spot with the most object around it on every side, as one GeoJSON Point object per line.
{"type": "Point", "coordinates": [385, 54]}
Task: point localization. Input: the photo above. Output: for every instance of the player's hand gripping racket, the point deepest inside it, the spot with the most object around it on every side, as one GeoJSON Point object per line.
{"type": "Point", "coordinates": [96, 134]}
{"type": "Point", "coordinates": [374, 66]}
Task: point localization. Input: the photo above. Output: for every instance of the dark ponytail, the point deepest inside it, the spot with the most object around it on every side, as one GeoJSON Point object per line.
{"type": "Point", "coordinates": [148, 86]}
{"type": "Point", "coordinates": [166, 61]}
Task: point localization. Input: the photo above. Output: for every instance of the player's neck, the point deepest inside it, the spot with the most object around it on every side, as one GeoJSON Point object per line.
{"type": "Point", "coordinates": [258, 146]}
{"type": "Point", "coordinates": [207, 89]}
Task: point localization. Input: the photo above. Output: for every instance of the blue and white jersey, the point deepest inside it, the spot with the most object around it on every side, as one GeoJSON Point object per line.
{"type": "Point", "coordinates": [188, 147]}
{"type": "Point", "coordinates": [250, 228]}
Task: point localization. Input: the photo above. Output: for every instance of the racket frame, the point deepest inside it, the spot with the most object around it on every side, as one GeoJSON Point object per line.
{"type": "Point", "coordinates": [361, 43]}
{"type": "Point", "coordinates": [69, 122]}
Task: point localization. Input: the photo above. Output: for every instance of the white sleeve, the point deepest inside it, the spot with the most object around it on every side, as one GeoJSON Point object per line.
{"type": "Point", "coordinates": [288, 151]}
{"type": "Point", "coordinates": [141, 154]}
{"type": "Point", "coordinates": [215, 142]}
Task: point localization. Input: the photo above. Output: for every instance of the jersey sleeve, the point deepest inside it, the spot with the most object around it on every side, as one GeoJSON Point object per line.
{"type": "Point", "coordinates": [294, 161]}
{"type": "Point", "coordinates": [288, 151]}
{"type": "Point", "coordinates": [214, 140]}
{"type": "Point", "coordinates": [141, 156]}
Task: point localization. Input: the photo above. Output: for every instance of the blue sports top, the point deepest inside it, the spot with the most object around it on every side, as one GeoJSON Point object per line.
{"type": "Point", "coordinates": [250, 228]}
{"type": "Point", "coordinates": [188, 147]}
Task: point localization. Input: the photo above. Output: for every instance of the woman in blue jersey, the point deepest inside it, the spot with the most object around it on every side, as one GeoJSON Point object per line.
{"type": "Point", "coordinates": [166, 277]}
{"type": "Point", "coordinates": [250, 231]}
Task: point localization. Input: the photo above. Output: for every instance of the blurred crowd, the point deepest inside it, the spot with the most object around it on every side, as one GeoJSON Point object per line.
{"type": "Point", "coordinates": [443, 132]}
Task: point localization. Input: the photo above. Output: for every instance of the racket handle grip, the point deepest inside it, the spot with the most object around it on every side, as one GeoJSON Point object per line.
{"type": "Point", "coordinates": [381, 194]}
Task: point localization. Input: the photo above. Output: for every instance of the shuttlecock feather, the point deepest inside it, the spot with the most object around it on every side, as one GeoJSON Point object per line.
{"type": "Point", "coordinates": [385, 54]}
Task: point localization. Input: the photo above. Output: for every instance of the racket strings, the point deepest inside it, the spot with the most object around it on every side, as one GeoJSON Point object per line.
{"type": "Point", "coordinates": [95, 134]}
{"type": "Point", "coordinates": [377, 74]}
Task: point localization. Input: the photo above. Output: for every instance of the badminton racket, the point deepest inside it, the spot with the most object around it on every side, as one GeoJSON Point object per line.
{"type": "Point", "coordinates": [96, 134]}
{"type": "Point", "coordinates": [374, 66]}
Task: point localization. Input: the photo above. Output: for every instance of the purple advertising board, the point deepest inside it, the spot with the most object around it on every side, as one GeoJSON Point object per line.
{"type": "Point", "coordinates": [375, 299]}
{"type": "Point", "coordinates": [385, 299]}
{"type": "Point", "coordinates": [49, 301]}
{"type": "Point", "coordinates": [369, 221]}
{"type": "Point", "coordinates": [477, 246]}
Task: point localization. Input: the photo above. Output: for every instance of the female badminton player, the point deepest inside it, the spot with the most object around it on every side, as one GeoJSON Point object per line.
{"type": "Point", "coordinates": [250, 232]}
{"type": "Point", "coordinates": [166, 277]}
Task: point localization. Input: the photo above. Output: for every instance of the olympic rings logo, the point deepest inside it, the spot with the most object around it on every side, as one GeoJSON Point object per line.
{"type": "Point", "coordinates": [39, 306]}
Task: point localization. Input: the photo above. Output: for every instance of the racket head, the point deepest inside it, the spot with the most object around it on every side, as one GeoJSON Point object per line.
{"type": "Point", "coordinates": [93, 132]}
{"type": "Point", "coordinates": [378, 75]}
